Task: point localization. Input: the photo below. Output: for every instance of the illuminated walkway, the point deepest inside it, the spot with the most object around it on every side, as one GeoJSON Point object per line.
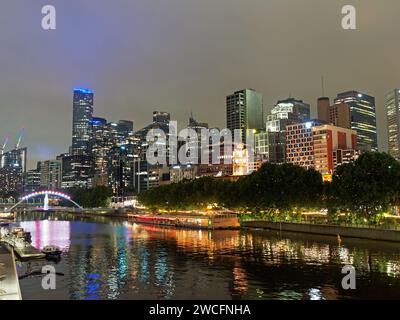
{"type": "Point", "coordinates": [9, 285]}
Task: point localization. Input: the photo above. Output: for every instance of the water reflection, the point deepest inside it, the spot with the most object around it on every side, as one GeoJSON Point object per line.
{"type": "Point", "coordinates": [120, 260]}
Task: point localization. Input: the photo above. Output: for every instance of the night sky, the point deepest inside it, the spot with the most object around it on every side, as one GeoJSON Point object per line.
{"type": "Point", "coordinates": [183, 55]}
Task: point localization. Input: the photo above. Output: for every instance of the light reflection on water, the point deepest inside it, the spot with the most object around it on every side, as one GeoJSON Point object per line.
{"type": "Point", "coordinates": [120, 260]}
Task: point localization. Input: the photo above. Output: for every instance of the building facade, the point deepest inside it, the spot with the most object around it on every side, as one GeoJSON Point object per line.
{"type": "Point", "coordinates": [77, 171]}
{"type": "Point", "coordinates": [392, 107]}
{"type": "Point", "coordinates": [245, 112]}
{"type": "Point", "coordinates": [363, 118]}
{"type": "Point", "coordinates": [32, 180]}
{"type": "Point", "coordinates": [51, 174]}
{"type": "Point", "coordinates": [312, 145]}
{"type": "Point", "coordinates": [82, 121]}
{"type": "Point", "coordinates": [338, 114]}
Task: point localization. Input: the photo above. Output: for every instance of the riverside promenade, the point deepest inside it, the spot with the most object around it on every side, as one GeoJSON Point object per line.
{"type": "Point", "coordinates": [9, 283]}
{"type": "Point", "coordinates": [363, 232]}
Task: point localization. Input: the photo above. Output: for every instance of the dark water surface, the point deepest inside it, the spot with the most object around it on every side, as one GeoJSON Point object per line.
{"type": "Point", "coordinates": [111, 259]}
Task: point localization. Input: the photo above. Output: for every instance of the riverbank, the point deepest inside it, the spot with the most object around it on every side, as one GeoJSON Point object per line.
{"type": "Point", "coordinates": [213, 222]}
{"type": "Point", "coordinates": [9, 283]}
{"type": "Point", "coordinates": [328, 230]}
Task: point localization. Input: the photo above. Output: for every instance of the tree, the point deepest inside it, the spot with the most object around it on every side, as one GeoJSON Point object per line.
{"type": "Point", "coordinates": [365, 188]}
{"type": "Point", "coordinates": [92, 198]}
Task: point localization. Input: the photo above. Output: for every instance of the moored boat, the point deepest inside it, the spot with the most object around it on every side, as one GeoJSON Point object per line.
{"type": "Point", "coordinates": [51, 251]}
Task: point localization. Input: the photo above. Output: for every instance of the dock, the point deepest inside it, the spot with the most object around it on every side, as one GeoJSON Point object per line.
{"type": "Point", "coordinates": [9, 283]}
{"type": "Point", "coordinates": [24, 250]}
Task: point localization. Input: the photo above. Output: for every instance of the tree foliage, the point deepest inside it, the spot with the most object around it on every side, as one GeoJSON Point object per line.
{"type": "Point", "coordinates": [92, 198]}
{"type": "Point", "coordinates": [366, 188]}
{"type": "Point", "coordinates": [276, 187]}
{"type": "Point", "coordinates": [360, 191]}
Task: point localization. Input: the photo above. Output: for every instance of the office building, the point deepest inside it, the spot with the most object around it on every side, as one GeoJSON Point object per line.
{"type": "Point", "coordinates": [312, 145]}
{"type": "Point", "coordinates": [16, 158]}
{"type": "Point", "coordinates": [392, 107]}
{"type": "Point", "coordinates": [12, 172]}
{"type": "Point", "coordinates": [363, 118]}
{"type": "Point", "coordinates": [77, 171]}
{"type": "Point", "coordinates": [51, 174]}
{"type": "Point", "coordinates": [245, 112]}
{"type": "Point", "coordinates": [338, 114]}
{"type": "Point", "coordinates": [273, 141]}
{"type": "Point", "coordinates": [32, 180]}
{"type": "Point", "coordinates": [82, 121]}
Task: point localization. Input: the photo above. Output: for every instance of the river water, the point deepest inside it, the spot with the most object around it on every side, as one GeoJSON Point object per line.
{"type": "Point", "coordinates": [112, 259]}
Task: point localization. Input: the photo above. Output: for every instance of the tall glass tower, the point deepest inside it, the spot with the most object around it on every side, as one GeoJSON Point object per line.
{"type": "Point", "coordinates": [245, 111]}
{"type": "Point", "coordinates": [392, 106]}
{"type": "Point", "coordinates": [81, 123]}
{"type": "Point", "coordinates": [363, 118]}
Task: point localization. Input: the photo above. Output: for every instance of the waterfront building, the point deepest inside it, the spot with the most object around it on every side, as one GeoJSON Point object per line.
{"type": "Point", "coordinates": [214, 170]}
{"type": "Point", "coordinates": [392, 107]}
{"type": "Point", "coordinates": [51, 174]}
{"type": "Point", "coordinates": [77, 171]}
{"type": "Point", "coordinates": [240, 161]}
{"type": "Point", "coordinates": [341, 156]}
{"type": "Point", "coordinates": [312, 144]}
{"type": "Point", "coordinates": [181, 173]}
{"type": "Point", "coordinates": [270, 146]}
{"type": "Point", "coordinates": [83, 101]}
{"type": "Point", "coordinates": [102, 141]}
{"type": "Point", "coordinates": [147, 176]}
{"type": "Point", "coordinates": [363, 118]}
{"type": "Point", "coordinates": [245, 112]}
{"type": "Point", "coordinates": [32, 180]}
{"type": "Point", "coordinates": [120, 169]}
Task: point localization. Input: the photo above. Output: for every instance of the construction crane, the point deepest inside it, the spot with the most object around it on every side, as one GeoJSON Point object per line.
{"type": "Point", "coordinates": [21, 135]}
{"type": "Point", "coordinates": [3, 147]}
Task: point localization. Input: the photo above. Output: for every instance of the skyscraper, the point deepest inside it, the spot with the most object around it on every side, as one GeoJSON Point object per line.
{"type": "Point", "coordinates": [363, 118]}
{"type": "Point", "coordinates": [12, 171]}
{"type": "Point", "coordinates": [51, 174]}
{"type": "Point", "coordinates": [245, 111]}
{"type": "Point", "coordinates": [77, 171]}
{"type": "Point", "coordinates": [392, 106]}
{"type": "Point", "coordinates": [82, 118]}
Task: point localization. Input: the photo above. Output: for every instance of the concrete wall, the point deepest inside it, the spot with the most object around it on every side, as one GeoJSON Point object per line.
{"type": "Point", "coordinates": [330, 230]}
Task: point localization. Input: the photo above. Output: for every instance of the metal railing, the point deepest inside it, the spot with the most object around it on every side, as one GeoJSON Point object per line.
{"type": "Point", "coordinates": [391, 227]}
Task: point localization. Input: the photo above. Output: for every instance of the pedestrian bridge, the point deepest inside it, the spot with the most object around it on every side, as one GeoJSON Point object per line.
{"type": "Point", "coordinates": [46, 194]}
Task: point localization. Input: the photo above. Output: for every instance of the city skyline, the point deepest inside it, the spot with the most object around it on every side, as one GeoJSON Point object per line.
{"type": "Point", "coordinates": [129, 64]}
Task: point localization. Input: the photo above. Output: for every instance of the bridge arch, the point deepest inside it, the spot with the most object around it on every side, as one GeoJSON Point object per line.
{"type": "Point", "coordinates": [45, 193]}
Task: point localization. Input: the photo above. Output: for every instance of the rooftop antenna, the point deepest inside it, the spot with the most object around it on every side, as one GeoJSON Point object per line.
{"type": "Point", "coordinates": [323, 86]}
